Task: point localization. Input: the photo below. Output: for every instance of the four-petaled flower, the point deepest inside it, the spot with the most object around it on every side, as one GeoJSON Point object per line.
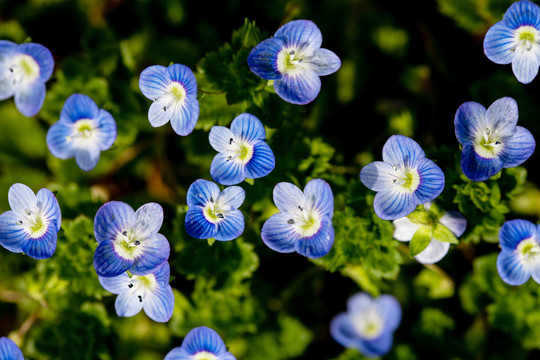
{"type": "Point", "coordinates": [403, 180]}
{"type": "Point", "coordinates": [83, 131]}
{"type": "Point", "coordinates": [150, 292]}
{"type": "Point", "coordinates": [174, 92]}
{"type": "Point", "coordinates": [519, 258]}
{"type": "Point", "coordinates": [490, 138]}
{"type": "Point", "coordinates": [293, 58]}
{"type": "Point", "coordinates": [304, 223]}
{"type": "Point", "coordinates": [214, 214]}
{"type": "Point", "coordinates": [24, 69]}
{"type": "Point", "coordinates": [129, 240]}
{"type": "Point", "coordinates": [201, 343]}
{"type": "Point", "coordinates": [32, 224]}
{"type": "Point", "coordinates": [9, 350]}
{"type": "Point", "coordinates": [368, 325]}
{"type": "Point", "coordinates": [516, 39]}
{"type": "Point", "coordinates": [242, 151]}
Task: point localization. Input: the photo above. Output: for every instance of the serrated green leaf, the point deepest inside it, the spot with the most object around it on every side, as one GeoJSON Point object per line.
{"type": "Point", "coordinates": [420, 240]}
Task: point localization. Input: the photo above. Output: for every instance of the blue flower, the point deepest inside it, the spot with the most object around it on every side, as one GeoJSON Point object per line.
{"type": "Point", "coordinates": [242, 151]}
{"type": "Point", "coordinates": [516, 39]}
{"type": "Point", "coordinates": [174, 92]}
{"type": "Point", "coordinates": [490, 138]}
{"type": "Point", "coordinates": [520, 252]}
{"type": "Point", "coordinates": [9, 351]}
{"type": "Point", "coordinates": [24, 69]}
{"type": "Point", "coordinates": [150, 292]}
{"type": "Point", "coordinates": [201, 343]}
{"type": "Point", "coordinates": [129, 240]}
{"type": "Point", "coordinates": [214, 214]}
{"type": "Point", "coordinates": [83, 131]}
{"type": "Point", "coordinates": [368, 325]}
{"type": "Point", "coordinates": [32, 224]}
{"type": "Point", "coordinates": [293, 58]}
{"type": "Point", "coordinates": [304, 223]}
{"type": "Point", "coordinates": [403, 180]}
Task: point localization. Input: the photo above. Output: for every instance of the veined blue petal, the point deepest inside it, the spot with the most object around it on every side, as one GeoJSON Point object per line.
{"type": "Point", "coordinates": [177, 353]}
{"type": "Point", "coordinates": [231, 227]}
{"type": "Point", "coordinates": [324, 62]}
{"type": "Point", "coordinates": [197, 225]}
{"type": "Point", "coordinates": [112, 219]}
{"type": "Point", "coordinates": [29, 99]}
{"type": "Point", "coordinates": [262, 60]}
{"type": "Point", "coordinates": [152, 252]}
{"type": "Point", "coordinates": [319, 244]}
{"type": "Point", "coordinates": [7, 50]}
{"type": "Point", "coordinates": [513, 232]}
{"type": "Point", "coordinates": [185, 117]}
{"type": "Point", "coordinates": [278, 234]}
{"type": "Point", "coordinates": [476, 167]}
{"type": "Point", "coordinates": [402, 151]}
{"type": "Point", "coordinates": [44, 246]}
{"type": "Point", "coordinates": [502, 116]}
{"type": "Point", "coordinates": [22, 199]}
{"type": "Point", "coordinates": [377, 176]}
{"type": "Point", "coordinates": [393, 204]}
{"type": "Point", "coordinates": [162, 273]}
{"type": "Point", "coordinates": [231, 197]}
{"type": "Point", "coordinates": [431, 181]}
{"type": "Point", "coordinates": [220, 138]}
{"type": "Point", "coordinates": [106, 129]}
{"type": "Point", "coordinates": [57, 140]}
{"type": "Point", "coordinates": [77, 107]}
{"type": "Point", "coordinates": [12, 235]}
{"type": "Point", "coordinates": [182, 74]}
{"type": "Point", "coordinates": [517, 148]}
{"type": "Point", "coordinates": [200, 192]}
{"type": "Point", "coordinates": [525, 65]}
{"type": "Point", "coordinates": [227, 171]}
{"type": "Point", "coordinates": [116, 284]}
{"type": "Point", "coordinates": [159, 304]}
{"type": "Point", "coordinates": [87, 157]}
{"type": "Point", "coordinates": [7, 89]}
{"type": "Point", "coordinates": [404, 229]}
{"type": "Point", "coordinates": [511, 269]}
{"type": "Point", "coordinates": [319, 194]}
{"type": "Point", "coordinates": [42, 56]}
{"type": "Point", "coordinates": [157, 117]}
{"type": "Point", "coordinates": [498, 43]}
{"type": "Point", "coordinates": [470, 119]}
{"type": "Point", "coordinates": [203, 339]}
{"type": "Point", "coordinates": [48, 205]}
{"type": "Point", "coordinates": [455, 222]}
{"type": "Point", "coordinates": [262, 161]}
{"type": "Point", "coordinates": [9, 350]}
{"type": "Point", "coordinates": [390, 309]}
{"type": "Point", "coordinates": [300, 33]}
{"type": "Point", "coordinates": [248, 127]}
{"type": "Point", "coordinates": [153, 81]}
{"type": "Point", "coordinates": [149, 219]}
{"type": "Point", "coordinates": [127, 304]}
{"type": "Point", "coordinates": [522, 13]}
{"type": "Point", "coordinates": [107, 262]}
{"type": "Point", "coordinates": [288, 197]}
{"type": "Point", "coordinates": [300, 88]}
{"type": "Point", "coordinates": [434, 252]}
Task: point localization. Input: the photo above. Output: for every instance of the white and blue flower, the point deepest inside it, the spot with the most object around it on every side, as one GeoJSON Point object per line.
{"type": "Point", "coordinates": [213, 213]}
{"type": "Point", "coordinates": [403, 180]}
{"type": "Point", "coordinates": [368, 325]}
{"type": "Point", "coordinates": [174, 92]}
{"type": "Point", "coordinates": [304, 223]}
{"type": "Point", "coordinates": [24, 69]}
{"type": "Point", "coordinates": [491, 139]}
{"type": "Point", "coordinates": [32, 224]}
{"type": "Point", "coordinates": [516, 39]}
{"type": "Point", "coordinates": [150, 292]}
{"type": "Point", "coordinates": [243, 153]}
{"type": "Point", "coordinates": [129, 240]}
{"type": "Point", "coordinates": [9, 350]}
{"type": "Point", "coordinates": [294, 60]}
{"type": "Point", "coordinates": [519, 258]}
{"type": "Point", "coordinates": [83, 131]}
{"type": "Point", "coordinates": [201, 343]}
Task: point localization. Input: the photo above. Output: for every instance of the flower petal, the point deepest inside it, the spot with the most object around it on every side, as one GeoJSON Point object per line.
{"type": "Point", "coordinates": [87, 156]}
{"type": "Point", "coordinates": [522, 13]}
{"type": "Point", "coordinates": [262, 161]}
{"type": "Point", "coordinates": [22, 199]}
{"type": "Point", "coordinates": [262, 60]}
{"type": "Point", "coordinates": [518, 148]}
{"type": "Point", "coordinates": [197, 225]}
{"type": "Point", "coordinates": [431, 181]}
{"type": "Point", "coordinates": [127, 304]}
{"type": "Point", "coordinates": [200, 192]}
{"type": "Point", "coordinates": [278, 234]}
{"type": "Point", "coordinates": [301, 33]}
{"type": "Point", "coordinates": [220, 138]}
{"type": "Point", "coordinates": [455, 222]}
{"type": "Point", "coordinates": [476, 167]}
{"type": "Point", "coordinates": [42, 56]}
{"type": "Point", "coordinates": [183, 75]}
{"type": "Point", "coordinates": [112, 219]}
{"type": "Point", "coordinates": [185, 117]}
{"type": "Point", "coordinates": [9, 350]}
{"type": "Point", "coordinates": [116, 284]}
{"type": "Point", "coordinates": [227, 171]}
{"type": "Point", "coordinates": [390, 310]}
{"type": "Point", "coordinates": [319, 244]}
{"type": "Point", "coordinates": [377, 176]}
{"type": "Point", "coordinates": [49, 208]}
{"type": "Point", "coordinates": [502, 116]}
{"type": "Point", "coordinates": [379, 346]}
{"type": "Point", "coordinates": [288, 198]}
{"type": "Point", "coordinates": [498, 43]}
{"type": "Point", "coordinates": [434, 252]}
{"type": "Point", "coordinates": [203, 339]}
{"type": "Point", "coordinates": [470, 119]}
{"type": "Point", "coordinates": [108, 262]}
{"type": "Point", "coordinates": [149, 219]}
{"type": "Point", "coordinates": [153, 81]}
{"type": "Point", "coordinates": [44, 246]}
{"type": "Point", "coordinates": [343, 331]}
{"type": "Point", "coordinates": [231, 227]}
{"type": "Point", "coordinates": [77, 107]}
{"type": "Point", "coordinates": [511, 269]}
{"type": "Point", "coordinates": [29, 98]}
{"type": "Point", "coordinates": [393, 204]}
{"type": "Point", "coordinates": [248, 127]}
{"type": "Point", "coordinates": [324, 62]}
{"type": "Point", "coordinates": [402, 151]}
{"type": "Point", "coordinates": [157, 117]}
{"type": "Point", "coordinates": [404, 229]}
{"type": "Point", "coordinates": [299, 88]}
{"type": "Point", "coordinates": [12, 235]}
{"type": "Point", "coordinates": [525, 65]}
{"type": "Point", "coordinates": [231, 198]}
{"type": "Point", "coordinates": [319, 193]}
{"type": "Point", "coordinates": [151, 253]}
{"type": "Point", "coordinates": [105, 129]}
{"type": "Point", "coordinates": [513, 232]}
{"type": "Point", "coordinates": [159, 304]}
{"type": "Point", "coordinates": [57, 140]}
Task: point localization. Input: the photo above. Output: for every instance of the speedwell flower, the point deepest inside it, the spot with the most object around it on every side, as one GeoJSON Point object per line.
{"type": "Point", "coordinates": [368, 325]}
{"type": "Point", "coordinates": [201, 343]}
{"type": "Point", "coordinates": [9, 350]}
{"type": "Point", "coordinates": [150, 292]}
{"type": "Point", "coordinates": [304, 223]}
{"type": "Point", "coordinates": [214, 214]}
{"type": "Point", "coordinates": [519, 258]}
{"type": "Point", "coordinates": [174, 92]}
{"type": "Point", "coordinates": [516, 39]}
{"type": "Point", "coordinates": [129, 240]}
{"type": "Point", "coordinates": [490, 138]}
{"type": "Point", "coordinates": [431, 230]}
{"type": "Point", "coordinates": [242, 151]}
{"type": "Point", "coordinates": [83, 131]}
{"type": "Point", "coordinates": [403, 180]}
{"type": "Point", "coordinates": [32, 224]}
{"type": "Point", "coordinates": [293, 58]}
{"type": "Point", "coordinates": [24, 69]}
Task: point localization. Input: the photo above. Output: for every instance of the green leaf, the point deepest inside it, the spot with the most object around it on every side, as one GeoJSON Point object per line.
{"type": "Point", "coordinates": [420, 240]}
{"type": "Point", "coordinates": [420, 217]}
{"type": "Point", "coordinates": [443, 234]}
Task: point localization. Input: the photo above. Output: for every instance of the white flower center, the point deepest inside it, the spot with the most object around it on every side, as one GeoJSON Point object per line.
{"type": "Point", "coordinates": [22, 69]}
{"type": "Point", "coordinates": [33, 223]}
{"type": "Point", "coordinates": [214, 211]}
{"type": "Point", "coordinates": [526, 38]}
{"type": "Point", "coordinates": [405, 178]}
{"type": "Point", "coordinates": [83, 130]}
{"type": "Point", "coordinates": [239, 150]}
{"type": "Point", "coordinates": [175, 95]}
{"type": "Point", "coordinates": [488, 144]}
{"type": "Point", "coordinates": [204, 355]}
{"type": "Point", "coordinates": [529, 251]}
{"type": "Point", "coordinates": [127, 244]}
{"type": "Point", "coordinates": [291, 61]}
{"type": "Point", "coordinates": [306, 221]}
{"type": "Point", "coordinates": [141, 285]}
{"type": "Point", "coordinates": [368, 324]}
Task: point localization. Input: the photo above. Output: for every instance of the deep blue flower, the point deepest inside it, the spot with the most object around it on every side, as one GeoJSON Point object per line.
{"type": "Point", "coordinates": [32, 224]}
{"type": "Point", "coordinates": [201, 343]}
{"type": "Point", "coordinates": [174, 92]}
{"type": "Point", "coordinates": [368, 325]}
{"type": "Point", "coordinates": [403, 180]}
{"type": "Point", "coordinates": [304, 223]}
{"type": "Point", "coordinates": [9, 351]}
{"type": "Point", "coordinates": [24, 69]}
{"type": "Point", "coordinates": [516, 39]}
{"type": "Point", "coordinates": [83, 131]}
{"type": "Point", "coordinates": [520, 252]}
{"type": "Point", "coordinates": [129, 240]}
{"type": "Point", "coordinates": [242, 151]}
{"type": "Point", "coordinates": [293, 58]}
{"type": "Point", "coordinates": [490, 138]}
{"type": "Point", "coordinates": [150, 292]}
{"type": "Point", "coordinates": [214, 214]}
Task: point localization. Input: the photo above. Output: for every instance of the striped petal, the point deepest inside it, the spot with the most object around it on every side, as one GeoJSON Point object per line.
{"type": "Point", "coordinates": [299, 88]}
{"type": "Point", "coordinates": [57, 140]}
{"type": "Point", "coordinates": [106, 130]}
{"type": "Point", "coordinates": [22, 199]}
{"type": "Point", "coordinates": [324, 62]}
{"type": "Point", "coordinates": [220, 138]}
{"type": "Point", "coordinates": [12, 235]}
{"type": "Point", "coordinates": [511, 269]}
{"type": "Point", "coordinates": [183, 74]}
{"type": "Point", "coordinates": [227, 171]}
{"type": "Point", "coordinates": [248, 127]}
{"type": "Point", "coordinates": [262, 60]}
{"type": "Point", "coordinates": [9, 350]}
{"type": "Point", "coordinates": [377, 176]}
{"type": "Point", "coordinates": [200, 192]}
{"type": "Point", "coordinates": [393, 204]}
{"type": "Point", "coordinates": [476, 167]}
{"type": "Point", "coordinates": [522, 13]}
{"type": "Point", "coordinates": [77, 107]}
{"type": "Point", "coordinates": [153, 81]}
{"type": "Point", "coordinates": [262, 162]}
{"type": "Point", "coordinates": [42, 56]}
{"type": "Point", "coordinates": [498, 43]}
{"type": "Point", "coordinates": [502, 116]}
{"type": "Point", "coordinates": [108, 262]}
{"type": "Point", "coordinates": [44, 246]}
{"type": "Point", "coordinates": [151, 253]}
{"type": "Point", "coordinates": [231, 227]}
{"type": "Point", "coordinates": [185, 117]}
{"type": "Point", "coordinates": [48, 207]}
{"type": "Point", "coordinates": [278, 234]}
{"type": "Point", "coordinates": [431, 181]}
{"type": "Point", "coordinates": [513, 232]}
{"type": "Point", "coordinates": [231, 198]}
{"type": "Point", "coordinates": [319, 194]}
{"type": "Point", "coordinates": [87, 156]}
{"type": "Point", "coordinates": [318, 244]}
{"type": "Point", "coordinates": [288, 198]}
{"type": "Point", "coordinates": [402, 151]}
{"type": "Point", "coordinates": [148, 220]}
{"type": "Point", "coordinates": [518, 148]}
{"type": "Point", "coordinates": [525, 65]}
{"type": "Point", "coordinates": [197, 225]}
{"type": "Point", "coordinates": [127, 304]}
{"type": "Point", "coordinates": [301, 33]}
{"type": "Point", "coordinates": [112, 219]}
{"type": "Point", "coordinates": [29, 98]}
{"type": "Point", "coordinates": [470, 120]}
{"type": "Point", "coordinates": [203, 339]}
{"type": "Point", "coordinates": [159, 304]}
{"type": "Point", "coordinates": [455, 222]}
{"type": "Point", "coordinates": [117, 284]}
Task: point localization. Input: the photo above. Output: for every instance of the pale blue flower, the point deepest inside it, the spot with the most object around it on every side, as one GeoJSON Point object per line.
{"type": "Point", "coordinates": [9, 350]}
{"type": "Point", "coordinates": [201, 343]}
